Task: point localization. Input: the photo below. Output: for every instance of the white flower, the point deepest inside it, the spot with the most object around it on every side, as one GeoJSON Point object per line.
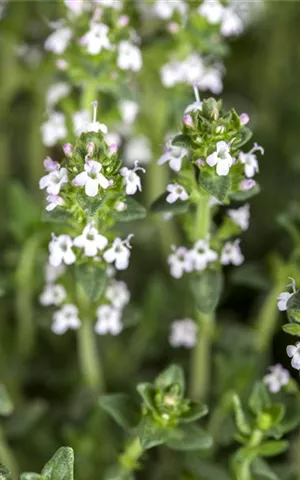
{"type": "Point", "coordinates": [129, 57]}
{"type": "Point", "coordinates": [90, 240]}
{"type": "Point", "coordinates": [129, 110]}
{"type": "Point", "coordinates": [56, 92]}
{"type": "Point", "coordinates": [183, 333]}
{"type": "Point", "coordinates": [96, 39]}
{"type": "Point", "coordinates": [91, 178]}
{"type": "Point", "coordinates": [194, 107]}
{"type": "Point", "coordinates": [76, 6]}
{"type": "Point", "coordinates": [283, 299]}
{"type": "Point", "coordinates": [201, 255]}
{"type": "Point", "coordinates": [180, 261]}
{"type": "Point", "coordinates": [231, 23]}
{"type": "Point", "coordinates": [277, 378]}
{"type": "Point", "coordinates": [112, 139]}
{"type": "Point", "coordinates": [250, 160]}
{"type": "Point", "coordinates": [118, 294]}
{"type": "Point", "coordinates": [212, 11]}
{"type": "Point", "coordinates": [119, 253]}
{"type": "Point", "coordinates": [108, 320]}
{"type": "Point", "coordinates": [53, 295]}
{"type": "Point", "coordinates": [80, 121]}
{"type": "Point", "coordinates": [240, 216]}
{"type": "Point", "coordinates": [52, 273]}
{"type": "Point", "coordinates": [176, 192]}
{"type": "Point", "coordinates": [64, 319]}
{"type": "Point", "coordinates": [116, 4]}
{"type": "Point", "coordinates": [58, 41]}
{"type": "Point", "coordinates": [137, 149]}
{"type": "Point", "coordinates": [54, 181]}
{"type": "Point", "coordinates": [60, 249]}
{"type": "Point", "coordinates": [222, 158]}
{"type": "Point", "coordinates": [174, 155]}
{"type": "Point", "coordinates": [131, 179]}
{"type": "Point", "coordinates": [165, 9]}
{"type": "Point", "coordinates": [53, 202]}
{"type": "Point", "coordinates": [192, 69]}
{"type": "Point", "coordinates": [247, 184]}
{"type": "Point", "coordinates": [293, 352]}
{"type": "Point", "coordinates": [211, 80]}
{"type": "Point", "coordinates": [54, 129]}
{"type": "Point", "coordinates": [171, 74]}
{"type": "Point", "coordinates": [50, 165]}
{"type": "Point", "coordinates": [231, 253]}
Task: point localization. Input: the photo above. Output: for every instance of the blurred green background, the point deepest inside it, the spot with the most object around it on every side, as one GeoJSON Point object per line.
{"type": "Point", "coordinates": [52, 406]}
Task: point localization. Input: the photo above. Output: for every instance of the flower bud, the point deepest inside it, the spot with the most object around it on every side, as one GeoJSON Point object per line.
{"type": "Point", "coordinates": [113, 149]}
{"type": "Point", "coordinates": [62, 64]}
{"type": "Point", "coordinates": [173, 27]}
{"type": "Point", "coordinates": [123, 21]}
{"type": "Point", "coordinates": [220, 129]}
{"type": "Point", "coordinates": [188, 121]}
{"type": "Point", "coordinates": [247, 184]}
{"type": "Point", "coordinates": [244, 118]}
{"type": "Point", "coordinates": [68, 149]}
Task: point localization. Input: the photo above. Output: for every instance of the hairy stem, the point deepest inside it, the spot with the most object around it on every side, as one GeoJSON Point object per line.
{"type": "Point", "coordinates": [89, 360]}
{"type": "Point", "coordinates": [201, 356]}
{"type": "Point", "coordinates": [129, 459]}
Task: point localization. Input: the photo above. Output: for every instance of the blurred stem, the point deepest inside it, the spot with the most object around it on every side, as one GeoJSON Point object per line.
{"type": "Point", "coordinates": [24, 296]}
{"type": "Point", "coordinates": [36, 147]}
{"type": "Point", "coordinates": [266, 321]}
{"type": "Point", "coordinates": [89, 94]}
{"type": "Point", "coordinates": [87, 347]}
{"type": "Point", "coordinates": [7, 457]}
{"type": "Point", "coordinates": [129, 459]}
{"type": "Point", "coordinates": [201, 355]}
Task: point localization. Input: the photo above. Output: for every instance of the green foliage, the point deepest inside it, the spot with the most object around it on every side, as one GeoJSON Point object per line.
{"type": "Point", "coordinates": [6, 405]}
{"type": "Point", "coordinates": [206, 289]}
{"type": "Point", "coordinates": [218, 187]}
{"type": "Point", "coordinates": [92, 279]}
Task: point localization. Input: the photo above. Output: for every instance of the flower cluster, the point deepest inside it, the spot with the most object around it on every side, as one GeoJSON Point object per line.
{"type": "Point", "coordinates": [183, 333]}
{"type": "Point", "coordinates": [109, 315]}
{"type": "Point", "coordinates": [277, 378]}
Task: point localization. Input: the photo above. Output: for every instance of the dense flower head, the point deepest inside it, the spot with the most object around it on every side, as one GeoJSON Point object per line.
{"type": "Point", "coordinates": [183, 333]}
{"type": "Point", "coordinates": [277, 378]}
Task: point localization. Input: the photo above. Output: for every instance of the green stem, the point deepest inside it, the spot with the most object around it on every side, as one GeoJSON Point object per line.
{"type": "Point", "coordinates": [7, 457]}
{"type": "Point", "coordinates": [129, 459]}
{"type": "Point", "coordinates": [201, 356]}
{"type": "Point", "coordinates": [87, 347]}
{"type": "Point", "coordinates": [24, 296]}
{"type": "Point", "coordinates": [266, 321]}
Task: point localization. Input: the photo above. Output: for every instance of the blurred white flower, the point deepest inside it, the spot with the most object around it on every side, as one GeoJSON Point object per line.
{"type": "Point", "coordinates": [119, 253]}
{"type": "Point", "coordinates": [176, 192]}
{"type": "Point", "coordinates": [240, 216]}
{"type": "Point", "coordinates": [91, 178]}
{"type": "Point", "coordinates": [212, 10]}
{"type": "Point", "coordinates": [129, 56]}
{"type": "Point", "coordinates": [282, 300]}
{"type": "Point", "coordinates": [96, 39]}
{"type": "Point", "coordinates": [52, 295]}
{"type": "Point", "coordinates": [221, 158]}
{"type": "Point", "coordinates": [54, 129]}
{"type": "Point", "coordinates": [137, 149]}
{"type": "Point", "coordinates": [232, 24]}
{"type": "Point", "coordinates": [56, 92]}
{"type": "Point", "coordinates": [165, 8]}
{"type": "Point", "coordinates": [183, 333]}
{"type": "Point", "coordinates": [118, 294]}
{"type": "Point", "coordinates": [108, 320]}
{"type": "Point", "coordinates": [80, 121]}
{"type": "Point", "coordinates": [231, 253]}
{"type": "Point", "coordinates": [50, 165]}
{"type": "Point", "coordinates": [60, 249]}
{"type": "Point", "coordinates": [180, 261]}
{"type": "Point", "coordinates": [250, 160]}
{"type": "Point", "coordinates": [293, 352]}
{"type": "Point", "coordinates": [58, 41]}
{"type": "Point", "coordinates": [90, 240]}
{"type": "Point", "coordinates": [53, 273]}
{"type": "Point", "coordinates": [277, 378]}
{"type": "Point", "coordinates": [174, 155]}
{"type": "Point", "coordinates": [201, 255]}
{"type": "Point", "coordinates": [65, 319]}
{"type": "Point", "coordinates": [53, 202]}
{"type": "Point", "coordinates": [129, 110]}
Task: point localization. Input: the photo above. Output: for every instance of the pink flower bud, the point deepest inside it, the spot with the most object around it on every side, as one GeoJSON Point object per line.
{"type": "Point", "coordinates": [50, 165]}
{"type": "Point", "coordinates": [68, 149]}
{"type": "Point", "coordinates": [173, 27]}
{"type": "Point", "coordinates": [247, 184]}
{"type": "Point", "coordinates": [200, 162]}
{"type": "Point", "coordinates": [123, 21]}
{"type": "Point", "coordinates": [188, 121]}
{"type": "Point", "coordinates": [62, 64]}
{"type": "Point", "coordinates": [113, 148]}
{"type": "Point", "coordinates": [244, 118]}
{"type": "Point", "coordinates": [90, 148]}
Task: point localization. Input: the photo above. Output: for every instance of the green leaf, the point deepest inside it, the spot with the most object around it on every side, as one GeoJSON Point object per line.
{"type": "Point", "coordinates": [275, 412]}
{"type": "Point", "coordinates": [217, 186]}
{"type": "Point", "coordinates": [89, 205]}
{"type": "Point", "coordinates": [160, 205]}
{"type": "Point", "coordinates": [6, 406]}
{"type": "Point", "coordinates": [206, 289]}
{"type": "Point", "coordinates": [147, 392]}
{"type": "Point", "coordinates": [259, 400]}
{"type": "Point", "coordinates": [181, 140]}
{"type": "Point", "coordinates": [4, 473]}
{"type": "Point", "coordinates": [151, 433]}
{"type": "Point", "coordinates": [117, 473]}
{"type": "Point", "coordinates": [262, 471]}
{"type": "Point", "coordinates": [92, 279]}
{"type": "Point", "coordinates": [240, 416]}
{"type": "Point", "coordinates": [293, 307]}
{"type": "Point", "coordinates": [58, 215]}
{"type": "Point", "coordinates": [121, 408]}
{"type": "Point", "coordinates": [30, 476]}
{"type": "Point", "coordinates": [189, 437]}
{"type": "Point", "coordinates": [60, 466]}
{"type": "Point", "coordinates": [244, 195]}
{"type": "Point", "coordinates": [291, 328]}
{"type": "Point", "coordinates": [271, 449]}
{"type": "Point", "coordinates": [243, 137]}
{"type": "Point", "coordinates": [134, 211]}
{"type": "Point", "coordinates": [196, 411]}
{"type": "Point", "coordinates": [172, 375]}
